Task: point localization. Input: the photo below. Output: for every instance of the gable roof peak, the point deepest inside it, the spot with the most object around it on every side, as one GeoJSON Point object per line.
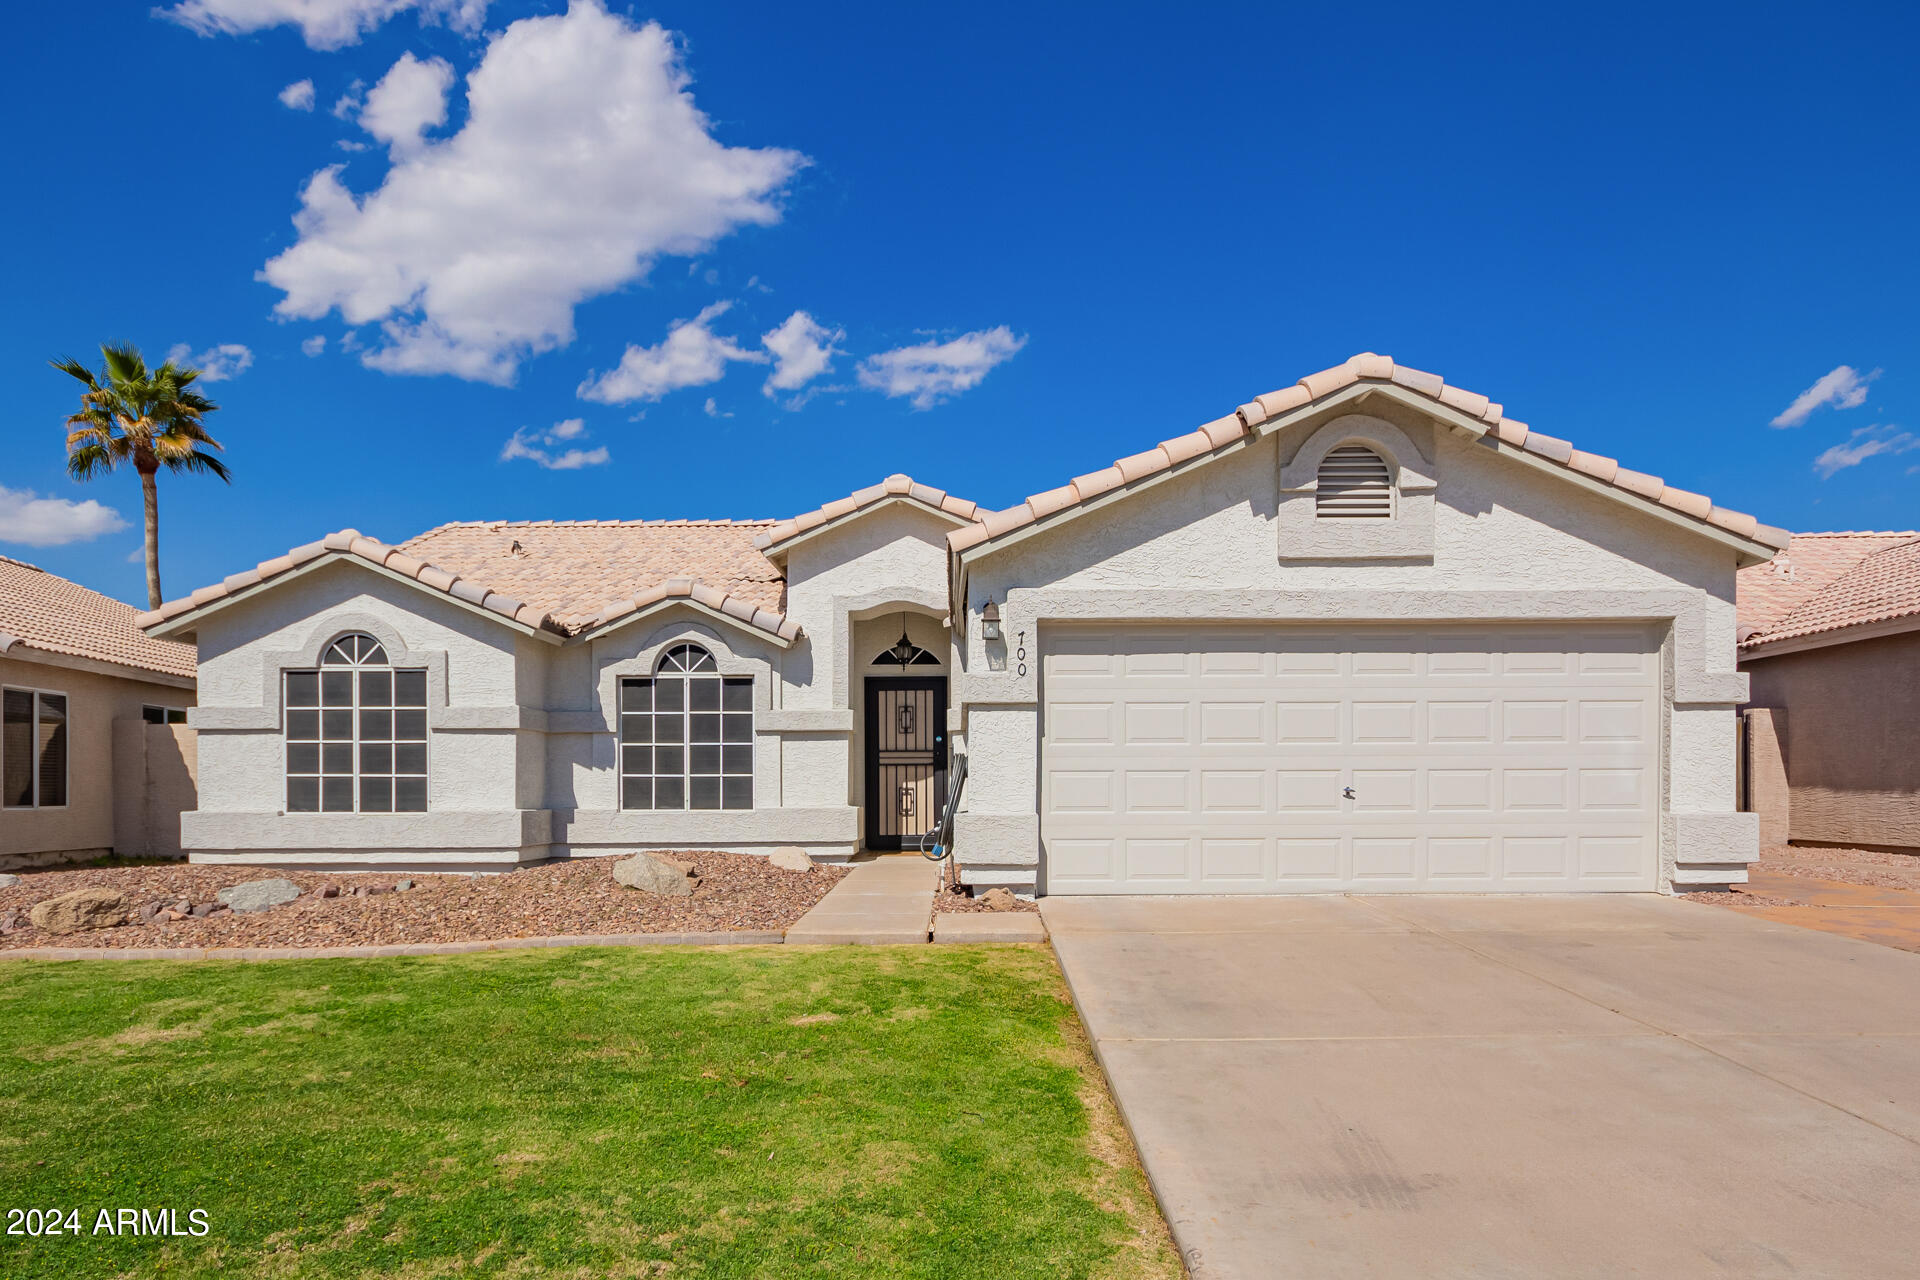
{"type": "Point", "coordinates": [1488, 416]}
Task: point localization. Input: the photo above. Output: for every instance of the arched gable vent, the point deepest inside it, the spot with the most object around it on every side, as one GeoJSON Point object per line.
{"type": "Point", "coordinates": [1353, 484]}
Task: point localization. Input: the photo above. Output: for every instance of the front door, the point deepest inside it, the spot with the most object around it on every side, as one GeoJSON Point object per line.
{"type": "Point", "coordinates": [906, 760]}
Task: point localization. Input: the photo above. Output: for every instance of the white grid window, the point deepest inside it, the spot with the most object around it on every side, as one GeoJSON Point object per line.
{"type": "Point", "coordinates": [356, 733]}
{"type": "Point", "coordinates": [33, 749]}
{"type": "Point", "coordinates": [686, 736]}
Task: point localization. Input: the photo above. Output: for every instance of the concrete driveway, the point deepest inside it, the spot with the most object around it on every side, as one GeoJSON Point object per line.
{"type": "Point", "coordinates": [1600, 1086]}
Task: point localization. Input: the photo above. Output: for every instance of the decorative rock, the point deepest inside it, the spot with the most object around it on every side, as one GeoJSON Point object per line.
{"type": "Point", "coordinates": [257, 895]}
{"type": "Point", "coordinates": [81, 909]}
{"type": "Point", "coordinates": [151, 910]}
{"type": "Point", "coordinates": [7, 881]}
{"type": "Point", "coordinates": [9, 920]}
{"type": "Point", "coordinates": [402, 886]}
{"type": "Point", "coordinates": [1000, 899]}
{"type": "Point", "coordinates": [201, 910]}
{"type": "Point", "coordinates": [329, 890]}
{"type": "Point", "coordinates": [668, 877]}
{"type": "Point", "coordinates": [791, 857]}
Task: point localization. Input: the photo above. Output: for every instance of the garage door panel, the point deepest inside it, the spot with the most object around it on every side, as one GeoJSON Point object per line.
{"type": "Point", "coordinates": [1221, 760]}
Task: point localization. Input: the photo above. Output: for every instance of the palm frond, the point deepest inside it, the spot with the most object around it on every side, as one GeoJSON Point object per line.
{"type": "Point", "coordinates": [197, 463]}
{"type": "Point", "coordinates": [89, 460]}
{"type": "Point", "coordinates": [124, 362]}
{"type": "Point", "coordinates": [73, 368]}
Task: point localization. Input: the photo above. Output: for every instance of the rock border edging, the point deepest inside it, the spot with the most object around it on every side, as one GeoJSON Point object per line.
{"type": "Point", "coordinates": [746, 938]}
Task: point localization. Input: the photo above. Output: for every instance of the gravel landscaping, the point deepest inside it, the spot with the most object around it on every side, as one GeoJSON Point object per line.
{"type": "Point", "coordinates": [954, 897]}
{"type": "Point", "coordinates": [1875, 867]}
{"type": "Point", "coordinates": [735, 892]}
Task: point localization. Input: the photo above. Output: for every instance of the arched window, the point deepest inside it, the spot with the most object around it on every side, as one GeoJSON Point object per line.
{"type": "Point", "coordinates": [1353, 484]}
{"type": "Point", "coordinates": [911, 656]}
{"type": "Point", "coordinates": [356, 732]}
{"type": "Point", "coordinates": [686, 735]}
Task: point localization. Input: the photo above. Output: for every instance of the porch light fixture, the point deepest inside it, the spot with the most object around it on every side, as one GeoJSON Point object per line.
{"type": "Point", "coordinates": [904, 652]}
{"type": "Point", "coordinates": [990, 621]}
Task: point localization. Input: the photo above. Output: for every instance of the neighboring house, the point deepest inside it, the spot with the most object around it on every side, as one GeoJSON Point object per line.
{"type": "Point", "coordinates": [1363, 633]}
{"type": "Point", "coordinates": [94, 753]}
{"type": "Point", "coordinates": [1830, 639]}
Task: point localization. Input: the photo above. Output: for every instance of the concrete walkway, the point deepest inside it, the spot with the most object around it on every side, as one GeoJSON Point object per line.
{"type": "Point", "coordinates": [887, 899]}
{"type": "Point", "coordinates": [1597, 1086]}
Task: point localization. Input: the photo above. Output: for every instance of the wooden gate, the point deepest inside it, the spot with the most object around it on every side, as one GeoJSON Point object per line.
{"type": "Point", "coordinates": [906, 774]}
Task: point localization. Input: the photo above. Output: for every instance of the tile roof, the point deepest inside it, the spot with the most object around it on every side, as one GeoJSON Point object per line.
{"type": "Point", "coordinates": [894, 486]}
{"type": "Point", "coordinates": [41, 610]}
{"type": "Point", "coordinates": [1366, 367]}
{"type": "Point", "coordinates": [1829, 581]}
{"type": "Point", "coordinates": [559, 576]}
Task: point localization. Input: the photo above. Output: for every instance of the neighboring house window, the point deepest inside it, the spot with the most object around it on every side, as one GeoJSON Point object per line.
{"type": "Point", "coordinates": [33, 749]}
{"type": "Point", "coordinates": [1353, 484]}
{"type": "Point", "coordinates": [356, 733]}
{"type": "Point", "coordinates": [686, 736]}
{"type": "Point", "coordinates": [163, 715]}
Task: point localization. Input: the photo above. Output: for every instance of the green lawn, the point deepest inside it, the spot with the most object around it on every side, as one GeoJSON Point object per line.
{"type": "Point", "coordinates": [853, 1111]}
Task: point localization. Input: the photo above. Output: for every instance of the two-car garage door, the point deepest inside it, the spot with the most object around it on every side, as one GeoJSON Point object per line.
{"type": "Point", "coordinates": [1244, 759]}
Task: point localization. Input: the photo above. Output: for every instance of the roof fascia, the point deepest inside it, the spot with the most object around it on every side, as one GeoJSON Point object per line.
{"type": "Point", "coordinates": [1837, 636]}
{"type": "Point", "coordinates": [182, 626]}
{"type": "Point", "coordinates": [1099, 502]}
{"type": "Point", "coordinates": [687, 602]}
{"type": "Point", "coordinates": [26, 651]}
{"type": "Point", "coordinates": [1749, 551]}
{"type": "Point", "coordinates": [778, 552]}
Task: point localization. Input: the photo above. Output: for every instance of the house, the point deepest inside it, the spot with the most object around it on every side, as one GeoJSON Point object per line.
{"type": "Point", "coordinates": [1830, 640]}
{"type": "Point", "coordinates": [95, 756]}
{"type": "Point", "coordinates": [1364, 632]}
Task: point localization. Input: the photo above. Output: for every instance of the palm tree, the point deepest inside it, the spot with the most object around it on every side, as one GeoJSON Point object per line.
{"type": "Point", "coordinates": [152, 419]}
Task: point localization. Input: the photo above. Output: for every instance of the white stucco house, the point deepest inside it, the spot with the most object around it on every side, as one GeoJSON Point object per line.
{"type": "Point", "coordinates": [1364, 632]}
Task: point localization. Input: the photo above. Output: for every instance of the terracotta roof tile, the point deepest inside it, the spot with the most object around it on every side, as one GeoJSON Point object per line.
{"type": "Point", "coordinates": [41, 610]}
{"type": "Point", "coordinates": [1365, 367]}
{"type": "Point", "coordinates": [894, 486]}
{"type": "Point", "coordinates": [1813, 585]}
{"type": "Point", "coordinates": [562, 576]}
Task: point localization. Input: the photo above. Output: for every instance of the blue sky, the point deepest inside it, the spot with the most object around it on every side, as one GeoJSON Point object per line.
{"type": "Point", "coordinates": [1021, 241]}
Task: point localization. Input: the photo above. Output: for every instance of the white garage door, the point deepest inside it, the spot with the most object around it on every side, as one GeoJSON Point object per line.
{"type": "Point", "coordinates": [1281, 760]}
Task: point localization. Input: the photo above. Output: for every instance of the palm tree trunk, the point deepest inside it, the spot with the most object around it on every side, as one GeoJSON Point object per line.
{"type": "Point", "coordinates": [151, 492]}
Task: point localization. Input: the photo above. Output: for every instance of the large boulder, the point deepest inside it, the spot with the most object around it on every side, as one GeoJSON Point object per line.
{"type": "Point", "coordinates": [1000, 899]}
{"type": "Point", "coordinates": [81, 909]}
{"type": "Point", "coordinates": [8, 880]}
{"type": "Point", "coordinates": [651, 873]}
{"type": "Point", "coordinates": [791, 857]}
{"type": "Point", "coordinates": [258, 895]}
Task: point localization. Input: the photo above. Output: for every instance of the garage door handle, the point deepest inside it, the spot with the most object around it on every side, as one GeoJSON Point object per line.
{"type": "Point", "coordinates": [1347, 792]}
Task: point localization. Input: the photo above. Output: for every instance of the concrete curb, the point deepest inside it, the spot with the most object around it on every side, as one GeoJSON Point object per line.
{"type": "Point", "coordinates": [744, 938]}
{"type": "Point", "coordinates": [975, 927]}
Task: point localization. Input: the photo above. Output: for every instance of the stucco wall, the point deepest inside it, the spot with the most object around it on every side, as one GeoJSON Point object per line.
{"type": "Point", "coordinates": [1508, 543]}
{"type": "Point", "coordinates": [95, 700]}
{"type": "Point", "coordinates": [1850, 747]}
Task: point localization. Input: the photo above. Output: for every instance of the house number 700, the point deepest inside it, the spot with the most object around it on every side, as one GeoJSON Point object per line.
{"type": "Point", "coordinates": [1020, 652]}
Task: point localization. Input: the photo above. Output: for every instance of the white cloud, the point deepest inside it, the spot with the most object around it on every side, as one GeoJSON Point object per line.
{"type": "Point", "coordinates": [298, 96]}
{"type": "Point", "coordinates": [324, 24]}
{"type": "Point", "coordinates": [313, 346]}
{"type": "Point", "coordinates": [691, 355]}
{"type": "Point", "coordinates": [28, 518]}
{"type": "Point", "coordinates": [1844, 388]}
{"type": "Point", "coordinates": [712, 409]}
{"type": "Point", "coordinates": [216, 364]}
{"type": "Point", "coordinates": [802, 350]}
{"type": "Point", "coordinates": [1865, 443]}
{"type": "Point", "coordinates": [138, 555]}
{"type": "Point", "coordinates": [410, 99]}
{"type": "Point", "coordinates": [347, 104]}
{"type": "Point", "coordinates": [933, 372]}
{"type": "Point", "coordinates": [539, 447]}
{"type": "Point", "coordinates": [582, 161]}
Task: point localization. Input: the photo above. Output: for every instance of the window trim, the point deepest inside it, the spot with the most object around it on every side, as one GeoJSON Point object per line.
{"type": "Point", "coordinates": [358, 741]}
{"type": "Point", "coordinates": [33, 757]}
{"type": "Point", "coordinates": [716, 672]}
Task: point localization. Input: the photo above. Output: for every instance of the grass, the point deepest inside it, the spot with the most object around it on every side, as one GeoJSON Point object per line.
{"type": "Point", "coordinates": [886, 1112]}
